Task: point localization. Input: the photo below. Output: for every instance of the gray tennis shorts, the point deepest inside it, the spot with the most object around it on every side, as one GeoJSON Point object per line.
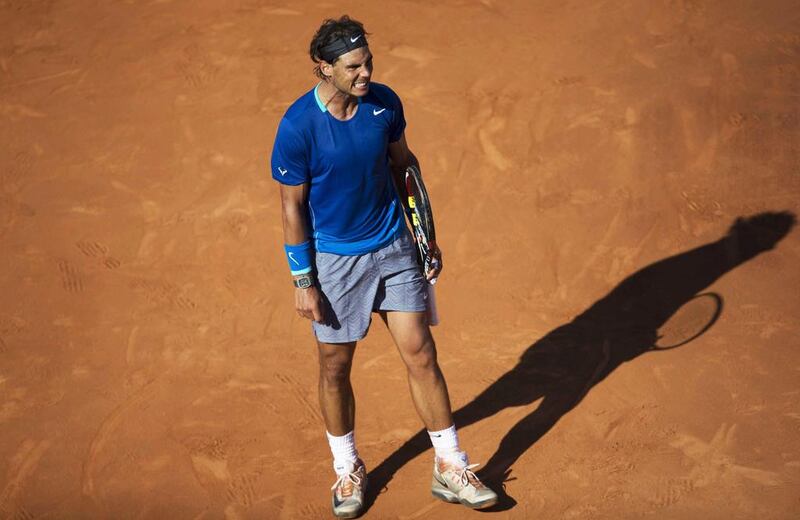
{"type": "Point", "coordinates": [354, 286]}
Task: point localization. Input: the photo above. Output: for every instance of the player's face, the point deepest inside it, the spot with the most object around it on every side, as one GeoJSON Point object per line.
{"type": "Point", "coordinates": [352, 71]}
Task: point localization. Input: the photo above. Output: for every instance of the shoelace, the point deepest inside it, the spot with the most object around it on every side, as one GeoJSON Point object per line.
{"type": "Point", "coordinates": [466, 476]}
{"type": "Point", "coordinates": [352, 477]}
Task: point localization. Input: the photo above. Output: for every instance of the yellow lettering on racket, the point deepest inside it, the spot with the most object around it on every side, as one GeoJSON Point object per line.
{"type": "Point", "coordinates": [412, 203]}
{"type": "Point", "coordinates": [415, 220]}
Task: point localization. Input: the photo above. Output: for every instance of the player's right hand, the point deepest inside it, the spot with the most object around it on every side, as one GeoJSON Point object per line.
{"type": "Point", "coordinates": [308, 303]}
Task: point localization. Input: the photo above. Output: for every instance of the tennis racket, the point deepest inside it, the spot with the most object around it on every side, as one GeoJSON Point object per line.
{"type": "Point", "coordinates": [421, 218]}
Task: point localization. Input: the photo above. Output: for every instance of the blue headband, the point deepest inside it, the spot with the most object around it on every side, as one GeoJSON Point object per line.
{"type": "Point", "coordinates": [342, 45]}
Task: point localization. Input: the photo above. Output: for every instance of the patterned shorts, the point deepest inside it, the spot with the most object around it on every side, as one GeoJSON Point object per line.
{"type": "Point", "coordinates": [352, 287]}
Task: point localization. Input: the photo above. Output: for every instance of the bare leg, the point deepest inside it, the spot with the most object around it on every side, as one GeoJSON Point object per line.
{"type": "Point", "coordinates": [428, 388]}
{"type": "Point", "coordinates": [335, 392]}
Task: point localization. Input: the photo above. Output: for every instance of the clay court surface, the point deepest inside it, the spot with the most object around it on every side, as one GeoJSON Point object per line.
{"type": "Point", "coordinates": [587, 163]}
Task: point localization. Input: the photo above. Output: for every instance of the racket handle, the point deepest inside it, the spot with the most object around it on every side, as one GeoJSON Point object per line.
{"type": "Point", "coordinates": [432, 312]}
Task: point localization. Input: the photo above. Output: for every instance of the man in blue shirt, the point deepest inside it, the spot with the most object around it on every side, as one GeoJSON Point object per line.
{"type": "Point", "coordinates": [340, 154]}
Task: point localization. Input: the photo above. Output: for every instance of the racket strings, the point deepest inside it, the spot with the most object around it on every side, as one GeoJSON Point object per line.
{"type": "Point", "coordinates": [420, 216]}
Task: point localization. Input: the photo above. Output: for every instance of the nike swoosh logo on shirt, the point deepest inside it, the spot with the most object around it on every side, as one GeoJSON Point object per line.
{"type": "Point", "coordinates": [376, 112]}
{"type": "Point", "coordinates": [282, 171]}
{"type": "Point", "coordinates": [353, 40]}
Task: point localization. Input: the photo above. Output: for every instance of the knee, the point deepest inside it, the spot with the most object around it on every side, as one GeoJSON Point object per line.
{"type": "Point", "coordinates": [334, 371]}
{"type": "Point", "coordinates": [422, 359]}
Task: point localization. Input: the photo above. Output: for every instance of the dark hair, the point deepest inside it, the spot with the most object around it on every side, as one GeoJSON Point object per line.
{"type": "Point", "coordinates": [329, 31]}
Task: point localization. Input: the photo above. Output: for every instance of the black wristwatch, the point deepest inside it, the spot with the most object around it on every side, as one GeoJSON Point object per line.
{"type": "Point", "coordinates": [304, 281]}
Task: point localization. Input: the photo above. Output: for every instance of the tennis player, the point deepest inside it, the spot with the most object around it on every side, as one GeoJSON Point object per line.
{"type": "Point", "coordinates": [340, 154]}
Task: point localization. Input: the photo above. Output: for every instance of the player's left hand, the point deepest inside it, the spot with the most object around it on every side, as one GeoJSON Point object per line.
{"type": "Point", "coordinates": [435, 264]}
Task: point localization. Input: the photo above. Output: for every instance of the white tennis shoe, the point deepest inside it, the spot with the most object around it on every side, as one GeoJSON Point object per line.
{"type": "Point", "coordinates": [348, 490]}
{"type": "Point", "coordinates": [455, 482]}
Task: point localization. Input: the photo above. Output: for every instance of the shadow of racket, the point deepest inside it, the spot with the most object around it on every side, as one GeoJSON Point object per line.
{"type": "Point", "coordinates": [690, 321]}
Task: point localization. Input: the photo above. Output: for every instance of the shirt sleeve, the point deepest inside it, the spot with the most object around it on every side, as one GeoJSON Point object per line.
{"type": "Point", "coordinates": [289, 156]}
{"type": "Point", "coordinates": [398, 124]}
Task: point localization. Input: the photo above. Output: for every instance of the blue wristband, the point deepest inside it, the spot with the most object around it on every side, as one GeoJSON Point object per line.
{"type": "Point", "coordinates": [299, 257]}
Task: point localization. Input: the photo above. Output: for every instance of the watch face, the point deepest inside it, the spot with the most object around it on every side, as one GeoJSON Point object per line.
{"type": "Point", "coordinates": [303, 283]}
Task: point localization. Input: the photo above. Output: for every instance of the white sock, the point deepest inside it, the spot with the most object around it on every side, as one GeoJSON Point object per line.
{"type": "Point", "coordinates": [344, 452]}
{"type": "Point", "coordinates": [445, 444]}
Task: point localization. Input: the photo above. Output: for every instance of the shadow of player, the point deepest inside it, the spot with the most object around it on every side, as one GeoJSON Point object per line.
{"type": "Point", "coordinates": [564, 365]}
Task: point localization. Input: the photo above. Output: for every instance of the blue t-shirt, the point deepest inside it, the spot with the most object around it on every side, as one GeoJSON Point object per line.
{"type": "Point", "coordinates": [353, 205]}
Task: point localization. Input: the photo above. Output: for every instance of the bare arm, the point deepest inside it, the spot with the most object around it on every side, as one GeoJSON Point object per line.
{"type": "Point", "coordinates": [294, 205]}
{"type": "Point", "coordinates": [400, 158]}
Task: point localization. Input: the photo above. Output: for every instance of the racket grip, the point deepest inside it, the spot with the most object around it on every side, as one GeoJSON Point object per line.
{"type": "Point", "coordinates": [432, 311]}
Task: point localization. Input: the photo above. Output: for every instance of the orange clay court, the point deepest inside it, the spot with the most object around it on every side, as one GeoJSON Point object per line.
{"type": "Point", "coordinates": [615, 187]}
